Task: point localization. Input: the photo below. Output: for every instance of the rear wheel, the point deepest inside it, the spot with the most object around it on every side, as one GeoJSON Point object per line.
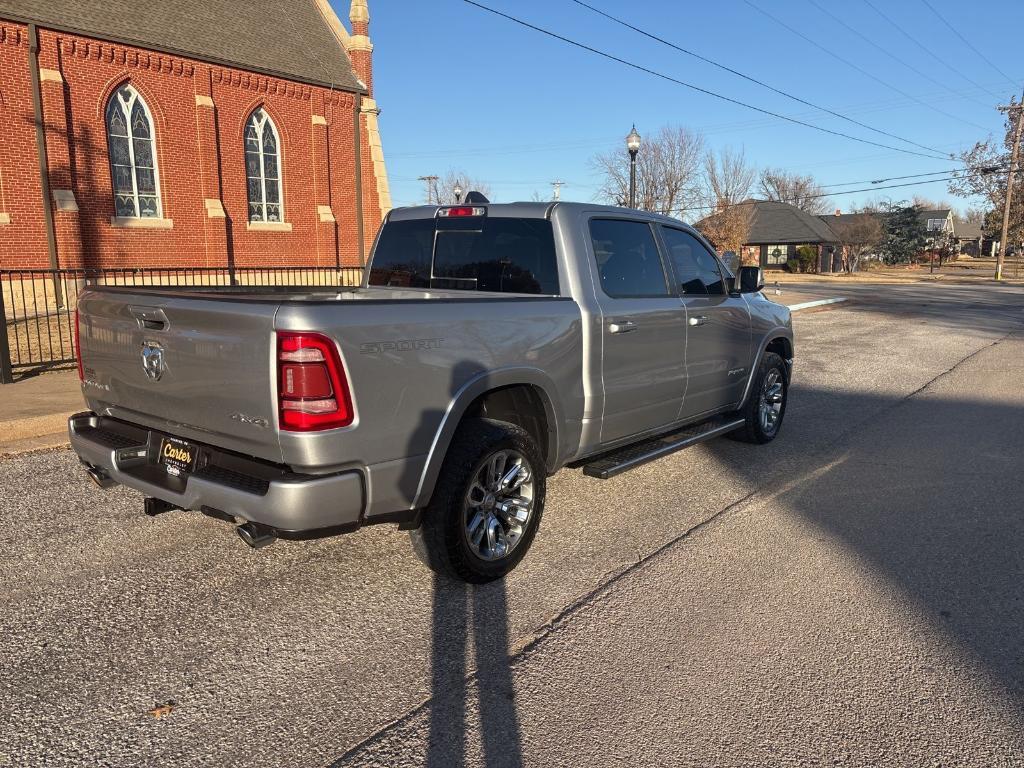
{"type": "Point", "coordinates": [766, 405]}
{"type": "Point", "coordinates": [487, 505]}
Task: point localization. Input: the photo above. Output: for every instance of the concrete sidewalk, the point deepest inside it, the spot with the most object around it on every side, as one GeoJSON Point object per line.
{"type": "Point", "coordinates": [34, 410]}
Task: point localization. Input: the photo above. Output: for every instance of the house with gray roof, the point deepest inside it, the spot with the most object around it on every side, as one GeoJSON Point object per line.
{"type": "Point", "coordinates": [776, 230]}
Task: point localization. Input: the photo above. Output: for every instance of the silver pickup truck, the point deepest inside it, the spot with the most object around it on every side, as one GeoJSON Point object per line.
{"type": "Point", "coordinates": [489, 347]}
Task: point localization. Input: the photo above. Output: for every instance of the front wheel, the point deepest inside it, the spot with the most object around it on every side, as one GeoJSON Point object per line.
{"type": "Point", "coordinates": [766, 404]}
{"type": "Point", "coordinates": [487, 504]}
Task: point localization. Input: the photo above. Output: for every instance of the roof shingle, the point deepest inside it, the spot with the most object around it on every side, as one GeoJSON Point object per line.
{"type": "Point", "coordinates": [773, 222]}
{"type": "Point", "coordinates": [276, 37]}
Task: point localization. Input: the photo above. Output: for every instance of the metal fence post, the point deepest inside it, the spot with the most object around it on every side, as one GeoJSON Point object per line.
{"type": "Point", "coordinates": [6, 376]}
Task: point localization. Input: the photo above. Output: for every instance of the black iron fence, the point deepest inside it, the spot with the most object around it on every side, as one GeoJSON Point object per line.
{"type": "Point", "coordinates": [37, 306]}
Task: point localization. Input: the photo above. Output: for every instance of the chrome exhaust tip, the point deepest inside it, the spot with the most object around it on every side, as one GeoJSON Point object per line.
{"type": "Point", "coordinates": [255, 535]}
{"type": "Point", "coordinates": [100, 477]}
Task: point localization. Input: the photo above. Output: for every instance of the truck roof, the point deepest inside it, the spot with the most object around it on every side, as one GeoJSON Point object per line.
{"type": "Point", "coordinates": [532, 210]}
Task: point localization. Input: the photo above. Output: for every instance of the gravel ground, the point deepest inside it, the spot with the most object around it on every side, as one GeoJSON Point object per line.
{"type": "Point", "coordinates": [847, 595]}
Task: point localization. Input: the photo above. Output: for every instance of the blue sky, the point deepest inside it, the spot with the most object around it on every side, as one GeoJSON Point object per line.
{"type": "Point", "coordinates": [461, 88]}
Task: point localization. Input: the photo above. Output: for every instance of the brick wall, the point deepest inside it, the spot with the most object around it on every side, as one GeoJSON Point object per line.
{"type": "Point", "coordinates": [23, 240]}
{"type": "Point", "coordinates": [199, 111]}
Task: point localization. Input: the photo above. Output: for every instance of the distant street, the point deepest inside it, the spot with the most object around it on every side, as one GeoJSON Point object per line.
{"type": "Point", "coordinates": [848, 595]}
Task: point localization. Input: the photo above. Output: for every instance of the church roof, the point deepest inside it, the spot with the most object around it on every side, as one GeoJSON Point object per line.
{"type": "Point", "coordinates": [284, 38]}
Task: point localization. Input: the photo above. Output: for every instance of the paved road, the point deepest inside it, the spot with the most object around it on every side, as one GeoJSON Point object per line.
{"type": "Point", "coordinates": [849, 595]}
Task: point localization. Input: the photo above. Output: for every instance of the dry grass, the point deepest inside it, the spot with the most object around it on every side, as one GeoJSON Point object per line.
{"type": "Point", "coordinates": [41, 340]}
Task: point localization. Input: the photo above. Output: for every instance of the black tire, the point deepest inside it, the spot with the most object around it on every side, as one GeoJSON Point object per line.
{"type": "Point", "coordinates": [754, 429]}
{"type": "Point", "coordinates": [441, 541]}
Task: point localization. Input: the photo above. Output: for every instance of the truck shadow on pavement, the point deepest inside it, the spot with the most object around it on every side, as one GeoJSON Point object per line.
{"type": "Point", "coordinates": [929, 491]}
{"type": "Point", "coordinates": [455, 605]}
{"type": "Point", "coordinates": [470, 717]}
{"type": "Point", "coordinates": [925, 490]}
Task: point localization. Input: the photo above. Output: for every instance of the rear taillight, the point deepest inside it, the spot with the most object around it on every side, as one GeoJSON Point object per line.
{"type": "Point", "coordinates": [313, 392]}
{"type": "Point", "coordinates": [78, 348]}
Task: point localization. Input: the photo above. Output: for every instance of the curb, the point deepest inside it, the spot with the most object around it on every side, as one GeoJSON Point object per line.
{"type": "Point", "coordinates": [33, 426]}
{"type": "Point", "coordinates": [31, 445]}
{"type": "Point", "coordinates": [20, 436]}
{"type": "Point", "coordinates": [812, 304]}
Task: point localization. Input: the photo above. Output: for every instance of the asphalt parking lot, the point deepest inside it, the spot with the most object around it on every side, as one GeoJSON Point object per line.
{"type": "Point", "coordinates": [849, 595]}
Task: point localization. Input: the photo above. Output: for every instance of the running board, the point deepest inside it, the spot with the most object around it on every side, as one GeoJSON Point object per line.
{"type": "Point", "coordinates": [616, 462]}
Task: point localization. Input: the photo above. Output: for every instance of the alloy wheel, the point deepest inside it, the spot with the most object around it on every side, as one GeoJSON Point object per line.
{"type": "Point", "coordinates": [499, 505]}
{"type": "Point", "coordinates": [770, 406]}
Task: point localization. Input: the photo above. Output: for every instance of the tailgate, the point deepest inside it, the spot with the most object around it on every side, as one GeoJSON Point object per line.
{"type": "Point", "coordinates": [195, 367]}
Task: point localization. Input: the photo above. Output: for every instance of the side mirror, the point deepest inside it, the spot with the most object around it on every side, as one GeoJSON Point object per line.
{"type": "Point", "coordinates": [732, 261]}
{"type": "Point", "coordinates": [751, 279]}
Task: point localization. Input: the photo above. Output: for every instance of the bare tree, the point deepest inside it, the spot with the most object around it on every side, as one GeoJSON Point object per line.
{"type": "Point", "coordinates": [985, 175]}
{"type": "Point", "coordinates": [802, 191]}
{"type": "Point", "coordinates": [971, 215]}
{"type": "Point", "coordinates": [928, 204]}
{"type": "Point", "coordinates": [860, 235]}
{"type": "Point", "coordinates": [457, 179]}
{"type": "Point", "coordinates": [728, 228]}
{"type": "Point", "coordinates": [667, 172]}
{"type": "Point", "coordinates": [876, 204]}
{"type": "Point", "coordinates": [728, 178]}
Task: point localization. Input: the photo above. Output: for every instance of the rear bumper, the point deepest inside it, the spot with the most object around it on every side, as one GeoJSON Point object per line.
{"type": "Point", "coordinates": [294, 506]}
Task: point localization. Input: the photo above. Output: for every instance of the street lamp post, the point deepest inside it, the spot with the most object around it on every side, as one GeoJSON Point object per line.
{"type": "Point", "coordinates": [633, 146]}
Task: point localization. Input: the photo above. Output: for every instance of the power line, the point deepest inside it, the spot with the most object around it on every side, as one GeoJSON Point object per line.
{"type": "Point", "coordinates": [697, 88]}
{"type": "Point", "coordinates": [860, 69]}
{"type": "Point", "coordinates": [967, 42]}
{"type": "Point", "coordinates": [928, 50]}
{"type": "Point", "coordinates": [836, 194]}
{"type": "Point", "coordinates": [889, 53]}
{"type": "Point", "coordinates": [898, 178]}
{"type": "Point", "coordinates": [749, 78]}
{"type": "Point", "coordinates": [734, 125]}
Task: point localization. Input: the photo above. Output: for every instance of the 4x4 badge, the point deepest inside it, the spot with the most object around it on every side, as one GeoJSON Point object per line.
{"type": "Point", "coordinates": [153, 360]}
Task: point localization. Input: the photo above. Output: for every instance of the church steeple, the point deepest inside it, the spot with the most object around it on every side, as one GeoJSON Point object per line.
{"type": "Point", "coordinates": [359, 47]}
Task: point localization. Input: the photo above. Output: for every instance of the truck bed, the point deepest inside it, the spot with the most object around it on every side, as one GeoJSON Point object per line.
{"type": "Point", "coordinates": [407, 353]}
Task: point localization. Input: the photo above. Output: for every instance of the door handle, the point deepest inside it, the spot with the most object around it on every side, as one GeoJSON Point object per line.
{"type": "Point", "coordinates": [699, 320]}
{"type": "Point", "coordinates": [150, 318]}
{"type": "Point", "coordinates": [624, 326]}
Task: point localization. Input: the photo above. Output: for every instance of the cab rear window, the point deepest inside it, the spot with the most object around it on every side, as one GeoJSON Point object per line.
{"type": "Point", "coordinates": [500, 255]}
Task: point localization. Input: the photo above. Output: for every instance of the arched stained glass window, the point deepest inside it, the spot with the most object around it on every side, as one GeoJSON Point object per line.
{"type": "Point", "coordinates": [263, 168]}
{"type": "Point", "coordinates": [132, 155]}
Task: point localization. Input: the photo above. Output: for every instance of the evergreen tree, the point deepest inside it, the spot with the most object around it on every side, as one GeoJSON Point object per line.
{"type": "Point", "coordinates": [905, 234]}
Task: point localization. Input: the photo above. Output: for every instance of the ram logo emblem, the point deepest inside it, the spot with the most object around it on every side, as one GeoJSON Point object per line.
{"type": "Point", "coordinates": [153, 360]}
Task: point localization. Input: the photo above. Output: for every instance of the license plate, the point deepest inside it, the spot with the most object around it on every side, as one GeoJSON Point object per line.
{"type": "Point", "coordinates": [177, 456]}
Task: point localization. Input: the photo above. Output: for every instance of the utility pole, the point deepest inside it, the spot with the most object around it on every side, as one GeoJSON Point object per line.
{"type": "Point", "coordinates": [432, 194]}
{"type": "Point", "coordinates": [557, 187]}
{"type": "Point", "coordinates": [1014, 157]}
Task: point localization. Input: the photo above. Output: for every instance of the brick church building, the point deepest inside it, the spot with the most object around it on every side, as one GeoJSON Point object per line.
{"type": "Point", "coordinates": [195, 133]}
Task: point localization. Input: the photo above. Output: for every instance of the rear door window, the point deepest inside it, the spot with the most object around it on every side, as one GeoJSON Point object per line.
{"type": "Point", "coordinates": [501, 255]}
{"type": "Point", "coordinates": [628, 261]}
{"type": "Point", "coordinates": [697, 270]}
{"type": "Point", "coordinates": [403, 254]}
